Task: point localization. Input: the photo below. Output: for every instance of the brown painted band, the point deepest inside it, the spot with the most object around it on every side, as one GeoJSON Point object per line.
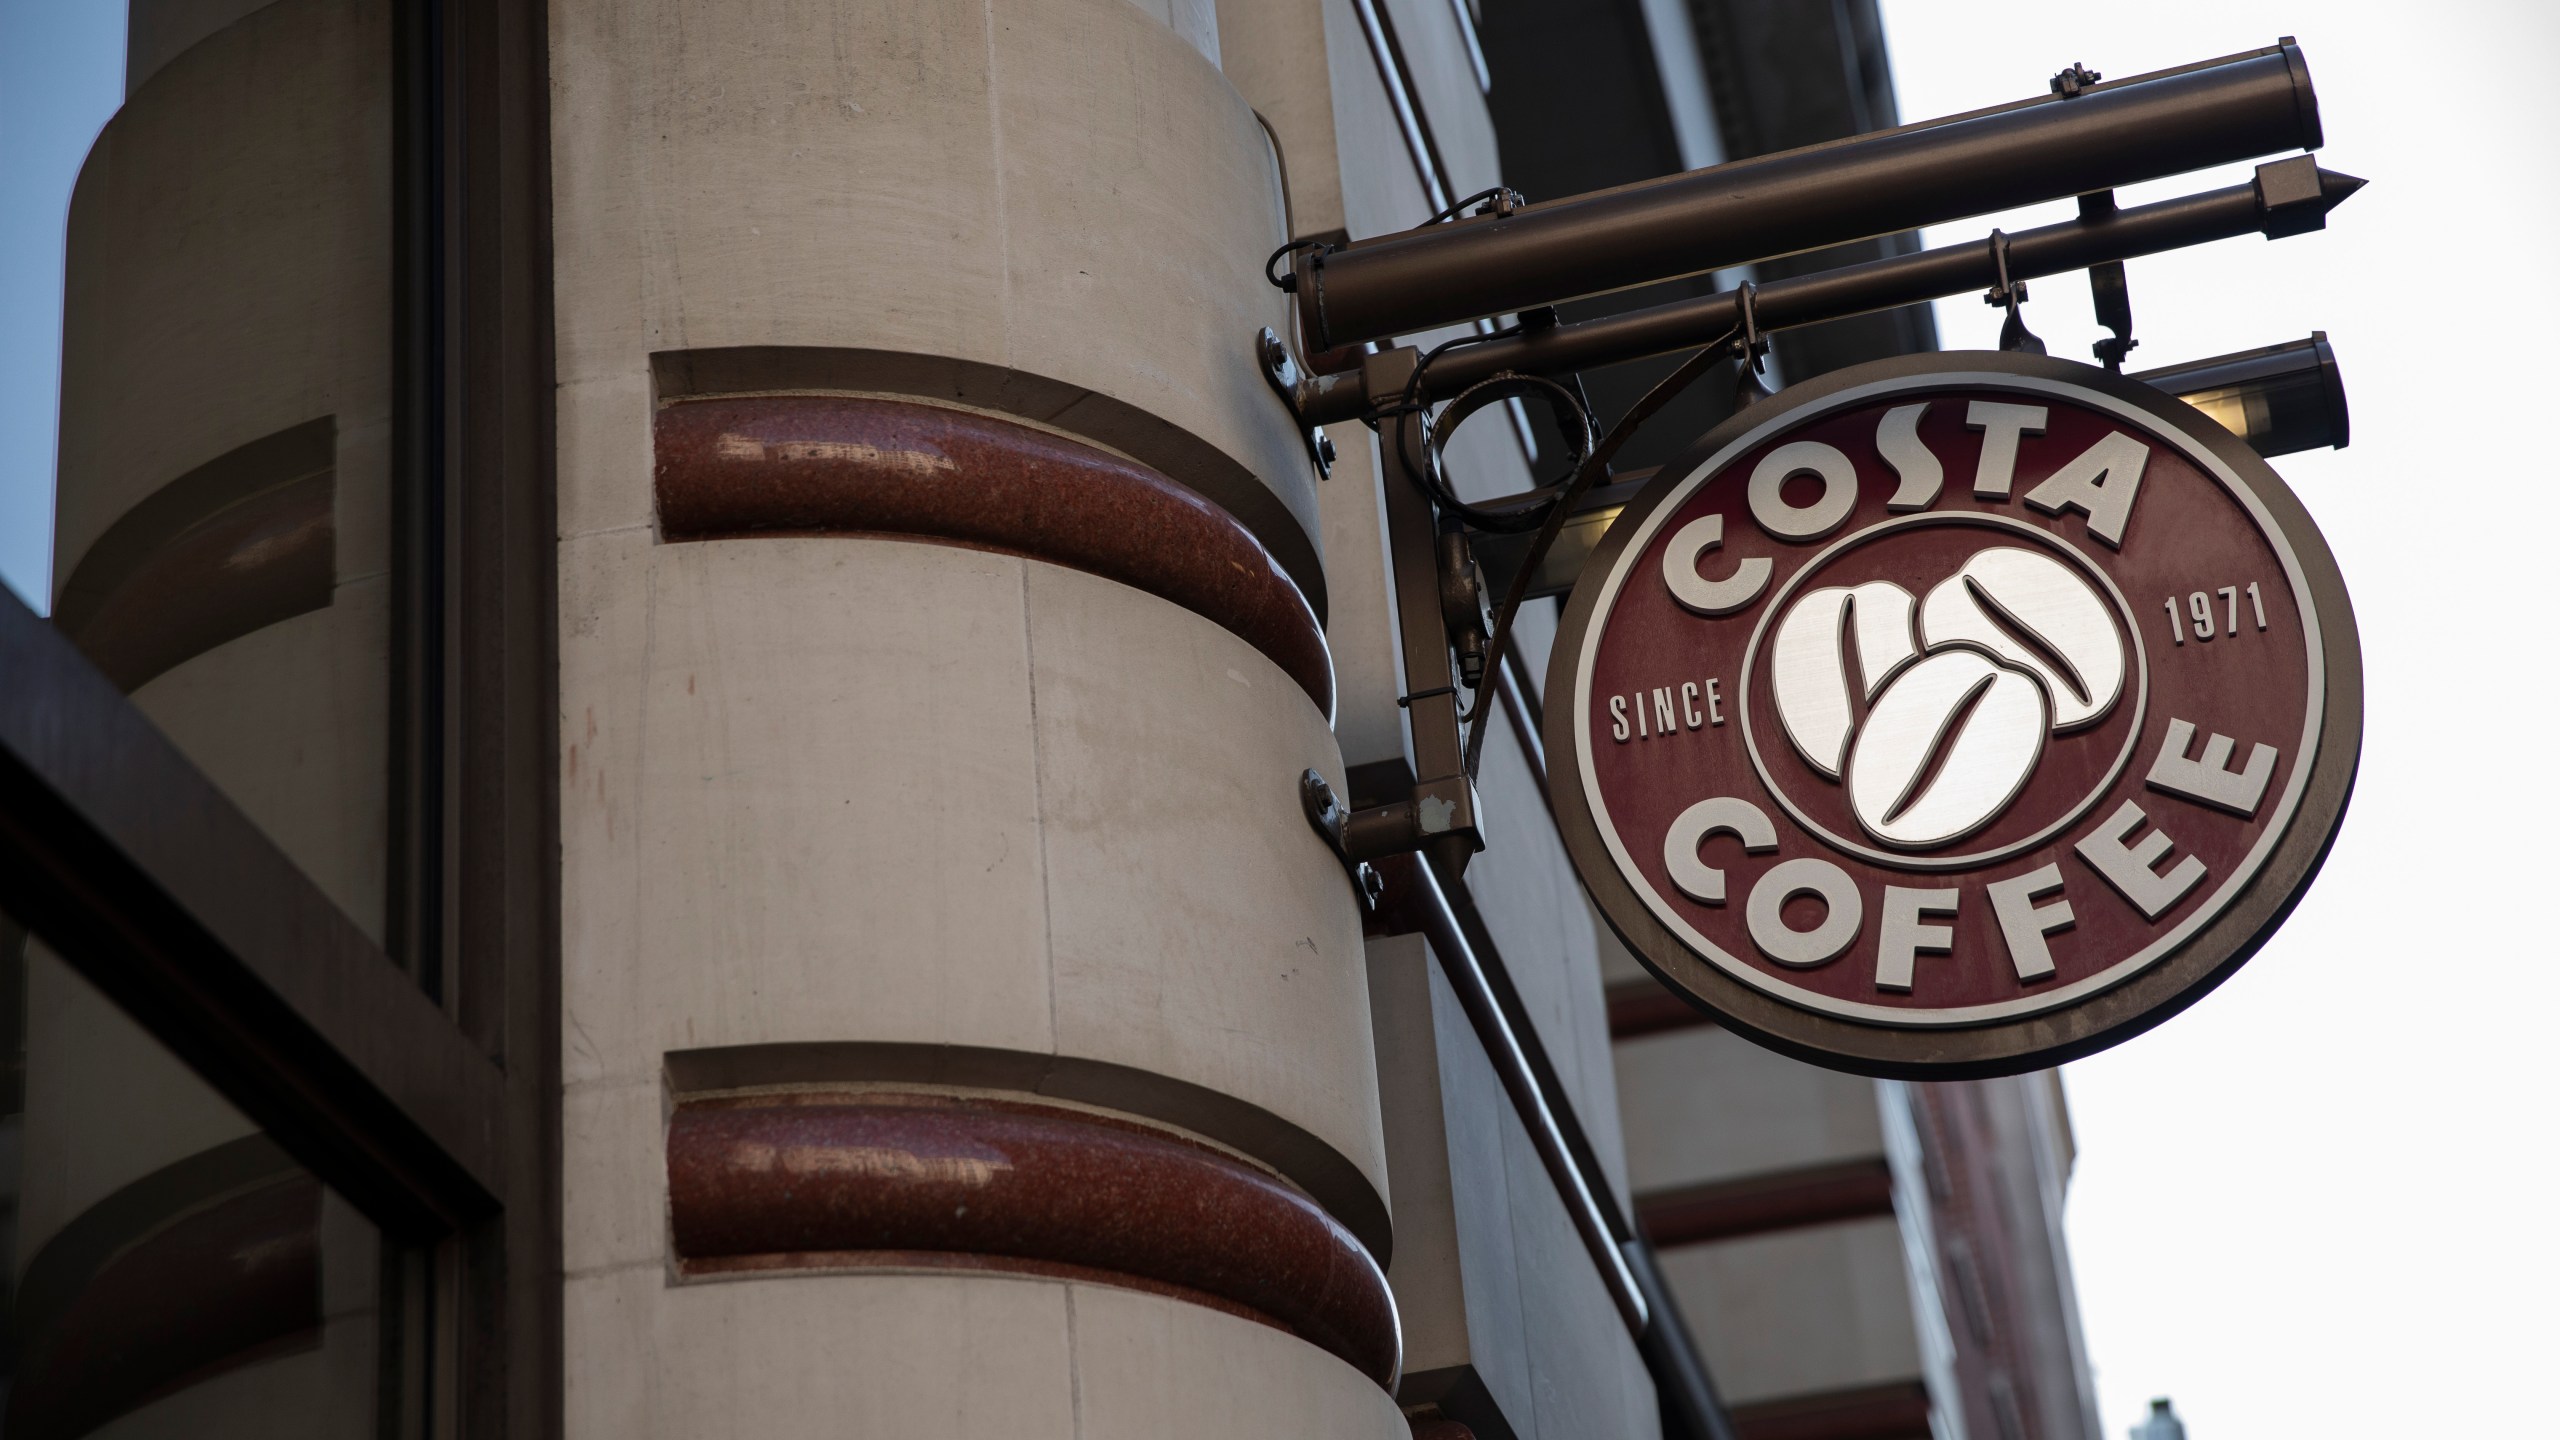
{"type": "Point", "coordinates": [1762, 1204]}
{"type": "Point", "coordinates": [838, 464]}
{"type": "Point", "coordinates": [1643, 1007]}
{"type": "Point", "coordinates": [227, 1285]}
{"type": "Point", "coordinates": [1896, 1410]}
{"type": "Point", "coordinates": [801, 1182]}
{"type": "Point", "coordinates": [242, 542]}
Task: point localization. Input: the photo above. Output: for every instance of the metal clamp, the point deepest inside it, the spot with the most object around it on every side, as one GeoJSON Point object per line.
{"type": "Point", "coordinates": [1462, 606]}
{"type": "Point", "coordinates": [1330, 817]}
{"type": "Point", "coordinates": [2070, 83]}
{"type": "Point", "coordinates": [1442, 809]}
{"type": "Point", "coordinates": [2107, 291]}
{"type": "Point", "coordinates": [2014, 334]}
{"type": "Point", "coordinates": [1280, 371]}
{"type": "Point", "coordinates": [1748, 347]}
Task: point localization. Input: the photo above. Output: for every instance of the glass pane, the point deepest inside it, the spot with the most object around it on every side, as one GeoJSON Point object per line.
{"type": "Point", "coordinates": [169, 1272]}
{"type": "Point", "coordinates": [222, 524]}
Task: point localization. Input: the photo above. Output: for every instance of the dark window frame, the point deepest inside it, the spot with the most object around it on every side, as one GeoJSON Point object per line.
{"type": "Point", "coordinates": [420, 1078]}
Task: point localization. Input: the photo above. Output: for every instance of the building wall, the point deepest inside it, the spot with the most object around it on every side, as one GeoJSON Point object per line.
{"type": "Point", "coordinates": [964, 1032]}
{"type": "Point", "coordinates": [902, 810]}
{"type": "Point", "coordinates": [947, 821]}
{"type": "Point", "coordinates": [222, 548]}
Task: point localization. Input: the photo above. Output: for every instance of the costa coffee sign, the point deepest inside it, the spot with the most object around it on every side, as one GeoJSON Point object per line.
{"type": "Point", "coordinates": [1955, 715]}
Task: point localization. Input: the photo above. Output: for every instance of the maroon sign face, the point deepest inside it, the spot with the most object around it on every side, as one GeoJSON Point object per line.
{"type": "Point", "coordinates": [1955, 714]}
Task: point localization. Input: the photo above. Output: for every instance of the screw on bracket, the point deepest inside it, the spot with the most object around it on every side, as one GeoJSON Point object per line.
{"type": "Point", "coordinates": [1327, 813]}
{"type": "Point", "coordinates": [2014, 334]}
{"type": "Point", "coordinates": [2107, 292]}
{"type": "Point", "coordinates": [2070, 83]}
{"type": "Point", "coordinates": [1280, 370]}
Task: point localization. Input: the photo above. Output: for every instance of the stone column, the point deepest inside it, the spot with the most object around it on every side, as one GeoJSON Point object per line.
{"type": "Point", "coordinates": [222, 552]}
{"type": "Point", "coordinates": [964, 1032]}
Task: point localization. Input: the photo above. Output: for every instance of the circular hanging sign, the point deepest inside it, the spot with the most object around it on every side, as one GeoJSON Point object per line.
{"type": "Point", "coordinates": [1955, 715]}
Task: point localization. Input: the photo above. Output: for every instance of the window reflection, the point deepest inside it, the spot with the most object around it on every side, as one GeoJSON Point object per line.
{"type": "Point", "coordinates": [223, 534]}
{"type": "Point", "coordinates": [170, 1271]}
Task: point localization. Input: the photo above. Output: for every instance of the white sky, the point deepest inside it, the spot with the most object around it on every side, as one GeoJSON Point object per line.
{"type": "Point", "coordinates": [2321, 1203]}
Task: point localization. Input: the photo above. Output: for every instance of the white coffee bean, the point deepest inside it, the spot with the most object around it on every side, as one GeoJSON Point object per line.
{"type": "Point", "coordinates": [2071, 641]}
{"type": "Point", "coordinates": [1948, 745]}
{"type": "Point", "coordinates": [1829, 636]}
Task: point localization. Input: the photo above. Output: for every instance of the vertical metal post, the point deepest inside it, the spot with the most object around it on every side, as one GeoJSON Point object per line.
{"type": "Point", "coordinates": [1443, 795]}
{"type": "Point", "coordinates": [1440, 816]}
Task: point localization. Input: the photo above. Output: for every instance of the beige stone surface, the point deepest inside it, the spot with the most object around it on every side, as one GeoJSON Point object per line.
{"type": "Point", "coordinates": [613, 1167]}
{"type": "Point", "coordinates": [1507, 1322]}
{"type": "Point", "coordinates": [267, 146]}
{"type": "Point", "coordinates": [159, 31]}
{"type": "Point", "coordinates": [1823, 1308]}
{"type": "Point", "coordinates": [1066, 188]}
{"type": "Point", "coordinates": [925, 1356]}
{"type": "Point", "coordinates": [920, 1357]}
{"type": "Point", "coordinates": [1586, 1378]}
{"type": "Point", "coordinates": [1444, 83]}
{"type": "Point", "coordinates": [1148, 1367]}
{"type": "Point", "coordinates": [228, 276]}
{"type": "Point", "coordinates": [1196, 21]}
{"type": "Point", "coordinates": [1196, 925]}
{"type": "Point", "coordinates": [1381, 189]}
{"type": "Point", "coordinates": [798, 799]}
{"type": "Point", "coordinates": [1704, 1104]}
{"type": "Point", "coordinates": [1267, 48]}
{"type": "Point", "coordinates": [608, 454]}
{"type": "Point", "coordinates": [1455, 1287]}
{"type": "Point", "coordinates": [1525, 886]}
{"type": "Point", "coordinates": [293, 721]}
{"type": "Point", "coordinates": [838, 790]}
{"type": "Point", "coordinates": [1618, 964]}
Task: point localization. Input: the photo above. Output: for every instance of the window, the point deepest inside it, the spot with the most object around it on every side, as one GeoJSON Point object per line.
{"type": "Point", "coordinates": [277, 869]}
{"type": "Point", "coordinates": [171, 1270]}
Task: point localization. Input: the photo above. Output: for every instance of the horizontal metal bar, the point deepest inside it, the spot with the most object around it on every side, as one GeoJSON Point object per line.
{"type": "Point", "coordinates": [2280, 399]}
{"type": "Point", "coordinates": [142, 875]}
{"type": "Point", "coordinates": [2237, 108]}
{"type": "Point", "coordinates": [2286, 197]}
{"type": "Point", "coordinates": [1414, 902]}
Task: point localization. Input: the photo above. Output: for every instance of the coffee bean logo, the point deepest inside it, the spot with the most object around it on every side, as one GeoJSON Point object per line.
{"type": "Point", "coordinates": [2031, 612]}
{"type": "Point", "coordinates": [1933, 714]}
{"type": "Point", "coordinates": [1949, 744]}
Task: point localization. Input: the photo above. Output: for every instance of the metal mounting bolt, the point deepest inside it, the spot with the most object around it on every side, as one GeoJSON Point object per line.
{"type": "Point", "coordinates": [1327, 813]}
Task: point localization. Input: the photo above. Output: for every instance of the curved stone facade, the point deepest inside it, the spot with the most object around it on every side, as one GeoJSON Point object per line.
{"type": "Point", "coordinates": [815, 1181]}
{"type": "Point", "coordinates": [1068, 189]}
{"type": "Point", "coordinates": [223, 553]}
{"type": "Point", "coordinates": [226, 448]}
{"type": "Point", "coordinates": [940, 649]}
{"type": "Point", "coordinates": [855, 465]}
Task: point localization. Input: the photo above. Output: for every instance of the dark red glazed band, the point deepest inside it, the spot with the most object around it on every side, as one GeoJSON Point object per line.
{"type": "Point", "coordinates": [833, 464]}
{"type": "Point", "coordinates": [227, 1286]}
{"type": "Point", "coordinates": [802, 1181]}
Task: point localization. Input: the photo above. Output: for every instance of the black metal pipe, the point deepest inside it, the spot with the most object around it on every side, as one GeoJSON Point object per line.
{"type": "Point", "coordinates": [2286, 197]}
{"type": "Point", "coordinates": [1415, 902]}
{"type": "Point", "coordinates": [2236, 108]}
{"type": "Point", "coordinates": [1680, 1380]}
